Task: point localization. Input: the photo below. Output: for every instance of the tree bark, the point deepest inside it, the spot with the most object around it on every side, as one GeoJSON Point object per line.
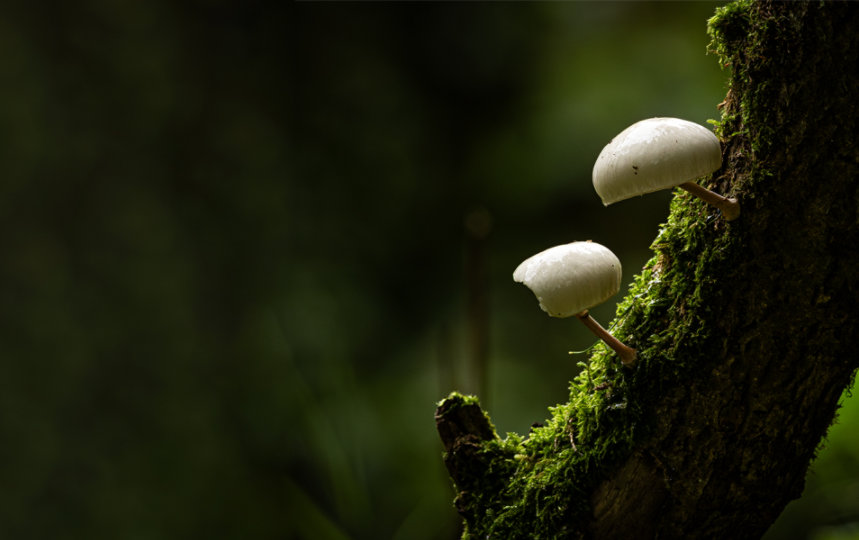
{"type": "Point", "coordinates": [744, 329]}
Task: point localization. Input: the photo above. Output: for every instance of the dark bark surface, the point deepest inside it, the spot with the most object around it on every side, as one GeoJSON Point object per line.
{"type": "Point", "coordinates": [756, 319]}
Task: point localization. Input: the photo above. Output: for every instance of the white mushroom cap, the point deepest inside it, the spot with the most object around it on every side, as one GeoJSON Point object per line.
{"type": "Point", "coordinates": [571, 278]}
{"type": "Point", "coordinates": [654, 154]}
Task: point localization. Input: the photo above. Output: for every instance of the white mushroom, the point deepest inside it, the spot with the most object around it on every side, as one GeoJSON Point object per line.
{"type": "Point", "coordinates": [660, 153]}
{"type": "Point", "coordinates": [569, 279]}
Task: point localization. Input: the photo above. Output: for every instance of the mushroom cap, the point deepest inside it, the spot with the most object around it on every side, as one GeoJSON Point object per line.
{"type": "Point", "coordinates": [571, 278]}
{"type": "Point", "coordinates": [654, 154]}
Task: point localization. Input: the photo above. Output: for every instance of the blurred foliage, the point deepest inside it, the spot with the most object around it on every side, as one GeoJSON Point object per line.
{"type": "Point", "coordinates": [234, 248]}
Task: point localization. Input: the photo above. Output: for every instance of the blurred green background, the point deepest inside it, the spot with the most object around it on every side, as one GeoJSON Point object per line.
{"type": "Point", "coordinates": [246, 248]}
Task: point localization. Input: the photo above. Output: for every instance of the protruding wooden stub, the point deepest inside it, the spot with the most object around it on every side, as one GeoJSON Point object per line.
{"type": "Point", "coordinates": [464, 427]}
{"type": "Point", "coordinates": [455, 418]}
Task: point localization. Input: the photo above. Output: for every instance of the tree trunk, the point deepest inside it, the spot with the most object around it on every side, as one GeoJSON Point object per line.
{"type": "Point", "coordinates": [744, 329]}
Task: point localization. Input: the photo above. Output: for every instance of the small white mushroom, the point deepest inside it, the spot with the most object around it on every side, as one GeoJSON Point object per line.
{"type": "Point", "coordinates": [660, 153]}
{"type": "Point", "coordinates": [569, 279]}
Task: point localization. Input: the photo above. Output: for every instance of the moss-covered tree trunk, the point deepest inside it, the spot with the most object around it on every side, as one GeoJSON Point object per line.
{"type": "Point", "coordinates": [746, 330]}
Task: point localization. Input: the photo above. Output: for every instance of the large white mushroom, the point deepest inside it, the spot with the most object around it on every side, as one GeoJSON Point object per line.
{"type": "Point", "coordinates": [660, 153]}
{"type": "Point", "coordinates": [570, 279]}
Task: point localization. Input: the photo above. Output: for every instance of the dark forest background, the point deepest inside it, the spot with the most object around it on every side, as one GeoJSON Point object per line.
{"type": "Point", "coordinates": [247, 247]}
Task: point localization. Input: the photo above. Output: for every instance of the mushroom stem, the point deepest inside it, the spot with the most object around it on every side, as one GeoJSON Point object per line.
{"type": "Point", "coordinates": [627, 354]}
{"type": "Point", "coordinates": [729, 206]}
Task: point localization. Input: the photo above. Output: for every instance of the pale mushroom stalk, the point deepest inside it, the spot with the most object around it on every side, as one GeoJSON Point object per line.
{"type": "Point", "coordinates": [627, 354]}
{"type": "Point", "coordinates": [730, 207]}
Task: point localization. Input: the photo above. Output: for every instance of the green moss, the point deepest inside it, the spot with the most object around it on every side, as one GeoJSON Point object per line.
{"type": "Point", "coordinates": [727, 28]}
{"type": "Point", "coordinates": [459, 400]}
{"type": "Point", "coordinates": [551, 473]}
